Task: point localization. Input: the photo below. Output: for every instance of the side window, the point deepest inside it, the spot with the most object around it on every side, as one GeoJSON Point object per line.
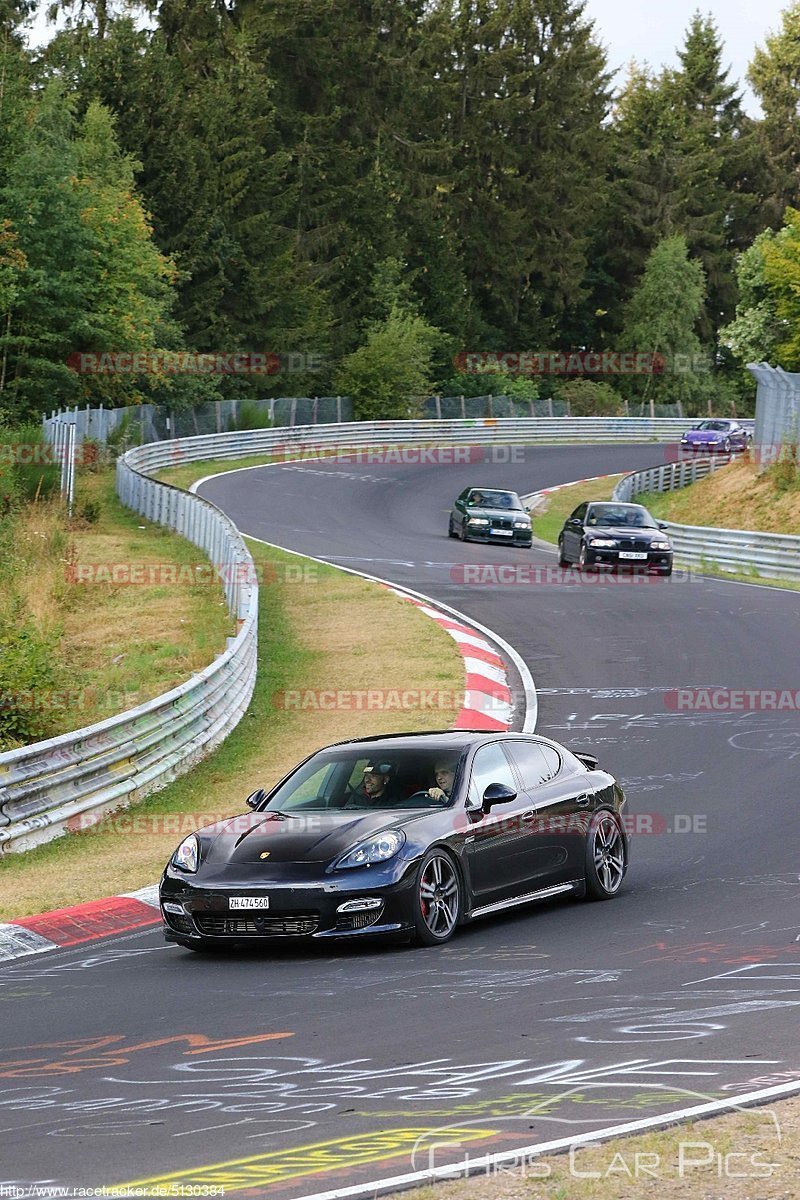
{"type": "Point", "coordinates": [490, 766]}
{"type": "Point", "coordinates": [536, 763]}
{"type": "Point", "coordinates": [580, 512]}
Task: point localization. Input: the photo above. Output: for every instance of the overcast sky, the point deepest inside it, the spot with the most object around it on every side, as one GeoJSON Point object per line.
{"type": "Point", "coordinates": [651, 31]}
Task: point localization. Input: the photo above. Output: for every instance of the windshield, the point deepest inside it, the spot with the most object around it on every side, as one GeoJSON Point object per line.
{"type": "Point", "coordinates": [633, 515]}
{"type": "Point", "coordinates": [488, 499]}
{"type": "Point", "coordinates": [719, 426]}
{"type": "Point", "coordinates": [378, 776]}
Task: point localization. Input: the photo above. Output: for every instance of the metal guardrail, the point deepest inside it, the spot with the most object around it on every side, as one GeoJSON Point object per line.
{"type": "Point", "coordinates": [669, 477]}
{"type": "Point", "coordinates": [771, 555]}
{"type": "Point", "coordinates": [382, 436]}
{"type": "Point", "coordinates": [47, 787]}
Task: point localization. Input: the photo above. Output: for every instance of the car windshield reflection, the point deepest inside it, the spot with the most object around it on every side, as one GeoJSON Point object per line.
{"type": "Point", "coordinates": [380, 777]}
{"type": "Point", "coordinates": [506, 500]}
{"type": "Point", "coordinates": [607, 515]}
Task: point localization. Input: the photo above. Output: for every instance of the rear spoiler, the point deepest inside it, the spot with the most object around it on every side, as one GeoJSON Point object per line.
{"type": "Point", "coordinates": [588, 760]}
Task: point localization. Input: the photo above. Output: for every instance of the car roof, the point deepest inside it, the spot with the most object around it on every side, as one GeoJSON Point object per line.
{"type": "Point", "coordinates": [490, 487]}
{"type": "Point", "coordinates": [430, 739]}
{"type": "Point", "coordinates": [615, 504]}
{"type": "Point", "coordinates": [454, 739]}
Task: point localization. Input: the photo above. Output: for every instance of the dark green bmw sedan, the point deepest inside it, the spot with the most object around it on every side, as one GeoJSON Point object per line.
{"type": "Point", "coordinates": [489, 515]}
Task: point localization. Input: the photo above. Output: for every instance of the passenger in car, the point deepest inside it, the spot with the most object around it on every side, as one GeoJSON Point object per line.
{"type": "Point", "coordinates": [444, 772]}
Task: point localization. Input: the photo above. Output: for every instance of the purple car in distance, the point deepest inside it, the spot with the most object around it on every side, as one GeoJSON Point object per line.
{"type": "Point", "coordinates": [717, 434]}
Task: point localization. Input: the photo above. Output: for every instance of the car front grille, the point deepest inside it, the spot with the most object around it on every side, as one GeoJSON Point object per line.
{"type": "Point", "coordinates": [357, 920]}
{"type": "Point", "coordinates": [633, 544]}
{"type": "Point", "coordinates": [502, 523]}
{"type": "Point", "coordinates": [294, 925]}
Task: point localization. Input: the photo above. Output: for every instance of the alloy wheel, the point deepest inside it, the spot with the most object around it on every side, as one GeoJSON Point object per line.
{"type": "Point", "coordinates": [439, 896]}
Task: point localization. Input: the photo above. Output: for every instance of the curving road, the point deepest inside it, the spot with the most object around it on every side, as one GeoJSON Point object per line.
{"type": "Point", "coordinates": [307, 1072]}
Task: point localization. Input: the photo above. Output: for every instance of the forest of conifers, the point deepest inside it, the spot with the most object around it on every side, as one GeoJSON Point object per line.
{"type": "Point", "coordinates": [366, 190]}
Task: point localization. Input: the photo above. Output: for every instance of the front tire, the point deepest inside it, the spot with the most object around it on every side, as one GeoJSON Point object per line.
{"type": "Point", "coordinates": [605, 856]}
{"type": "Point", "coordinates": [451, 530]}
{"type": "Point", "coordinates": [562, 561]}
{"type": "Point", "coordinates": [583, 564]}
{"type": "Point", "coordinates": [437, 899]}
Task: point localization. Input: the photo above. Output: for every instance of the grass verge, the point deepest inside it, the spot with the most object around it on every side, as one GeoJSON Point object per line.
{"type": "Point", "coordinates": [549, 519]}
{"type": "Point", "coordinates": [330, 632]}
{"type": "Point", "coordinates": [109, 645]}
{"type": "Point", "coordinates": [743, 1155]}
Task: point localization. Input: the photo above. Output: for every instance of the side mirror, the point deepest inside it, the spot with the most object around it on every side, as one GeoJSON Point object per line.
{"type": "Point", "coordinates": [662, 524]}
{"type": "Point", "coordinates": [576, 521]}
{"type": "Point", "coordinates": [695, 427]}
{"type": "Point", "coordinates": [255, 798]}
{"type": "Point", "coordinates": [497, 793]}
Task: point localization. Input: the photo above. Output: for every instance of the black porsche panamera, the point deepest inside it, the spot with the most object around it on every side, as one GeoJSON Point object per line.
{"type": "Point", "coordinates": [409, 835]}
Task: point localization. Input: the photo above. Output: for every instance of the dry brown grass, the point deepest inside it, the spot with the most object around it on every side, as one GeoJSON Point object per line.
{"type": "Point", "coordinates": [736, 497]}
{"type": "Point", "coordinates": [334, 632]}
{"type": "Point", "coordinates": [768, 1170]}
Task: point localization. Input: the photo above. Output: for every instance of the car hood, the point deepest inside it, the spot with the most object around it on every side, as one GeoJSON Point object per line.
{"type": "Point", "coordinates": [312, 837]}
{"type": "Point", "coordinates": [626, 531]}
{"type": "Point", "coordinates": [706, 435]}
{"type": "Point", "coordinates": [516, 514]}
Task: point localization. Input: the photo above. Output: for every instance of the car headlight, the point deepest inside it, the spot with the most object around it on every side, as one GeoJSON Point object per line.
{"type": "Point", "coordinates": [685, 437]}
{"type": "Point", "coordinates": [660, 546]}
{"type": "Point", "coordinates": [373, 850]}
{"type": "Point", "coordinates": [187, 856]}
{"type": "Point", "coordinates": [522, 524]}
{"type": "Point", "coordinates": [478, 521]}
{"type": "Point", "coordinates": [609, 542]}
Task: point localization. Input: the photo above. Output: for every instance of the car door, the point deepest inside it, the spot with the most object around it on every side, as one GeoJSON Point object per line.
{"type": "Point", "coordinates": [563, 810]}
{"type": "Point", "coordinates": [573, 532]}
{"type": "Point", "coordinates": [499, 843]}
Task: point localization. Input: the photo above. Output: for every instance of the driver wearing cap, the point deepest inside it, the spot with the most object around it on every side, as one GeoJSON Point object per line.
{"type": "Point", "coordinates": [376, 788]}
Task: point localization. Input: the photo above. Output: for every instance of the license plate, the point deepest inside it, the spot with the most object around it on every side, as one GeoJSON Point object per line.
{"type": "Point", "coordinates": [248, 901]}
{"type": "Point", "coordinates": [639, 554]}
{"type": "Point", "coordinates": [502, 532]}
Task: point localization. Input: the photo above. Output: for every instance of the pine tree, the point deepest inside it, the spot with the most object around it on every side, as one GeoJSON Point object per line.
{"type": "Point", "coordinates": [774, 75]}
{"type": "Point", "coordinates": [685, 162]}
{"type": "Point", "coordinates": [525, 95]}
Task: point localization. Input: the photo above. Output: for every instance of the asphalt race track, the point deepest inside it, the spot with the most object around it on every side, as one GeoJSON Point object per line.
{"type": "Point", "coordinates": [296, 1073]}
